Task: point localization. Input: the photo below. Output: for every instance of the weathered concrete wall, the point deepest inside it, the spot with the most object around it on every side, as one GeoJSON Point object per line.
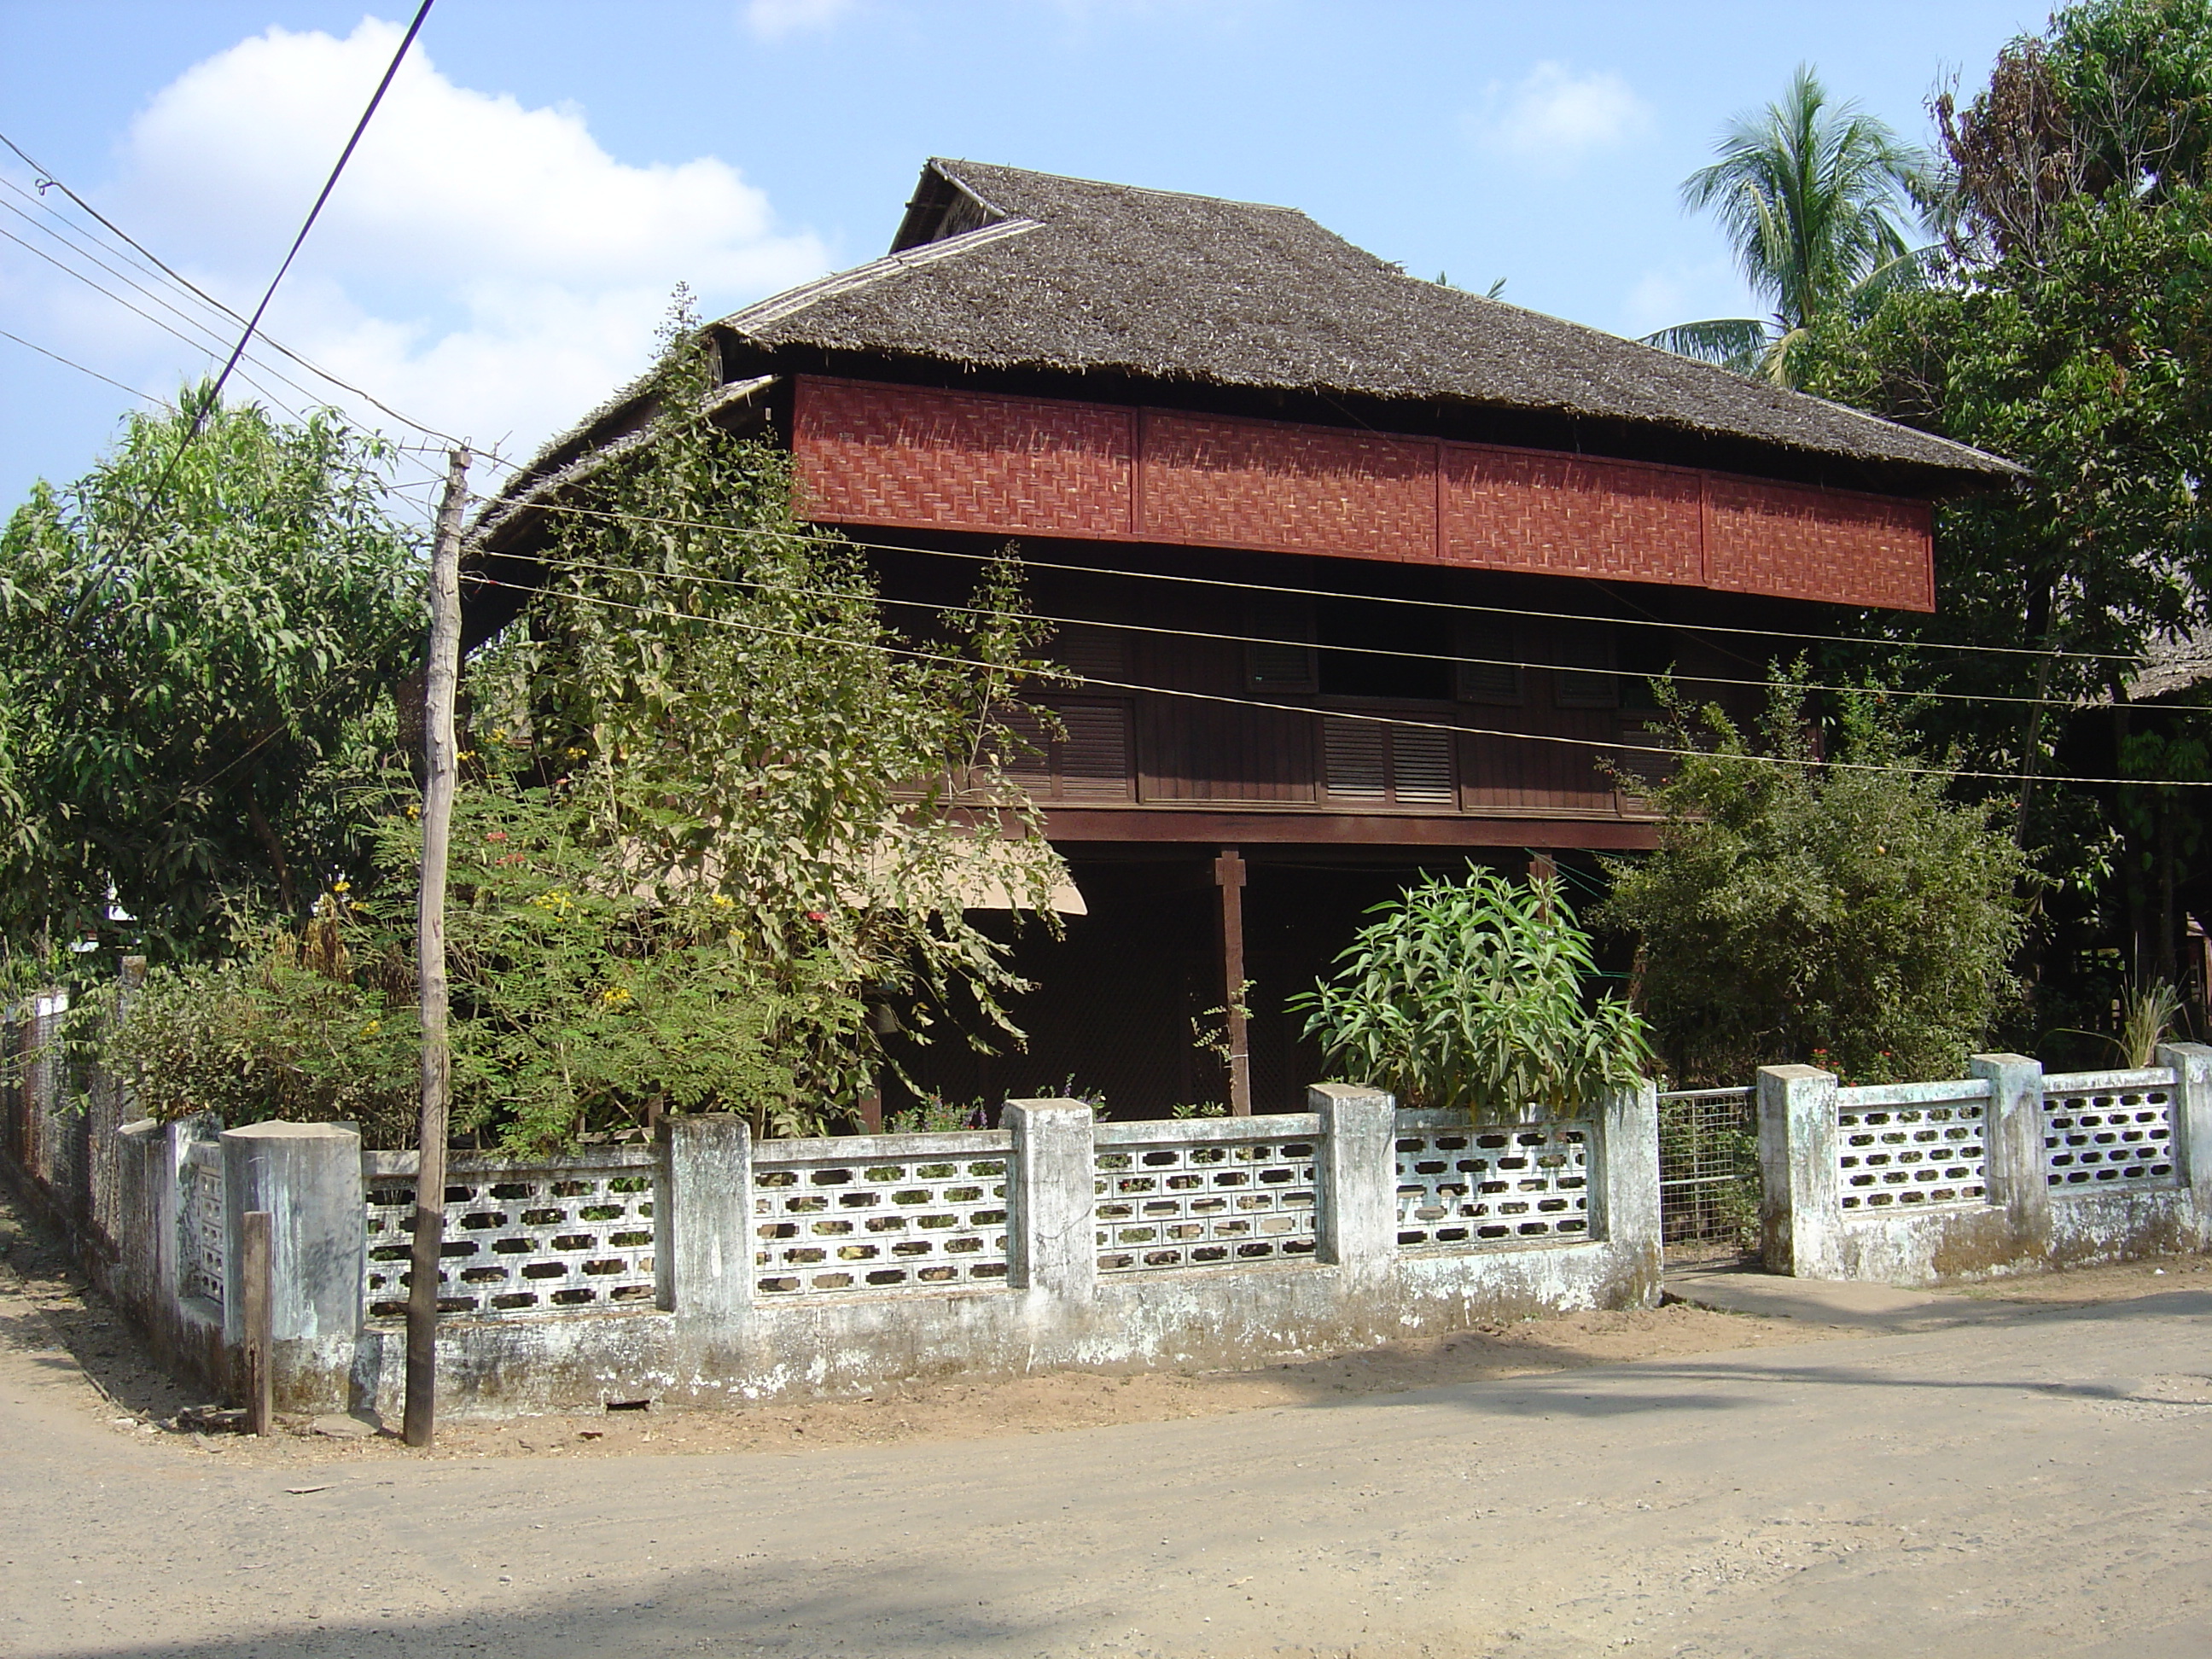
{"type": "Point", "coordinates": [712, 1344]}
{"type": "Point", "coordinates": [2143, 1145]}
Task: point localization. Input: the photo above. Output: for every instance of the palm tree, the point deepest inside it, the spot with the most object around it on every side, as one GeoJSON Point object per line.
{"type": "Point", "coordinates": [1810, 193]}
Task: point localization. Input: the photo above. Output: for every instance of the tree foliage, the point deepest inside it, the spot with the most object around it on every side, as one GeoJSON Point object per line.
{"type": "Point", "coordinates": [1797, 905]}
{"type": "Point", "coordinates": [1811, 194]}
{"type": "Point", "coordinates": [189, 677]}
{"type": "Point", "coordinates": [712, 688]}
{"type": "Point", "coordinates": [1473, 993]}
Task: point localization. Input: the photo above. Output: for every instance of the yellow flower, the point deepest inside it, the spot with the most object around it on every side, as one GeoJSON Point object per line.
{"type": "Point", "coordinates": [341, 887]}
{"type": "Point", "coordinates": [413, 811]}
{"type": "Point", "coordinates": [614, 996]}
{"type": "Point", "coordinates": [723, 901]}
{"type": "Point", "coordinates": [372, 1028]}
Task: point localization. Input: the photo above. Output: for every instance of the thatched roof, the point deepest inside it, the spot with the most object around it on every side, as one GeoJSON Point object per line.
{"type": "Point", "coordinates": [1000, 269]}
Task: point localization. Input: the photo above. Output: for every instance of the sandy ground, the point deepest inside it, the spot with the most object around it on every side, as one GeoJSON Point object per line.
{"type": "Point", "coordinates": [37, 1282]}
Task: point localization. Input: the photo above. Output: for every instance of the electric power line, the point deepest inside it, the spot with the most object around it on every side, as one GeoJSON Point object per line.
{"type": "Point", "coordinates": [67, 363]}
{"type": "Point", "coordinates": [46, 176]}
{"type": "Point", "coordinates": [1178, 577]}
{"type": "Point", "coordinates": [203, 408]}
{"type": "Point", "coordinates": [1453, 659]}
{"type": "Point", "coordinates": [1403, 721]}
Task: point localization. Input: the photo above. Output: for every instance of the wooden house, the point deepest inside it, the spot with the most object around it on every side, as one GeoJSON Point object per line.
{"type": "Point", "coordinates": [1365, 574]}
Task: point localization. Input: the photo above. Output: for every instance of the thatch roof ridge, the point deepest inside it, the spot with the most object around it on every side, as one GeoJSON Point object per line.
{"type": "Point", "coordinates": [1077, 276]}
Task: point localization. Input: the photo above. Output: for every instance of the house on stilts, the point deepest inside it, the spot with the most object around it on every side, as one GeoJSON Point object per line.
{"type": "Point", "coordinates": [1363, 575]}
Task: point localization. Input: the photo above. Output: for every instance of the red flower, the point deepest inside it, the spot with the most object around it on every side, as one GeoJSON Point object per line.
{"type": "Point", "coordinates": [816, 915]}
{"type": "Point", "coordinates": [496, 835]}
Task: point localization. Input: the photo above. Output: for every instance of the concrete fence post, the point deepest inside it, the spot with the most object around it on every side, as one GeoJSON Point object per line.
{"type": "Point", "coordinates": [174, 1142]}
{"type": "Point", "coordinates": [702, 1219]}
{"type": "Point", "coordinates": [1052, 1184]}
{"type": "Point", "coordinates": [1357, 1175]}
{"type": "Point", "coordinates": [1624, 1196]}
{"type": "Point", "coordinates": [1800, 1198]}
{"type": "Point", "coordinates": [2012, 1146]}
{"type": "Point", "coordinates": [2192, 1128]}
{"type": "Point", "coordinates": [308, 1177]}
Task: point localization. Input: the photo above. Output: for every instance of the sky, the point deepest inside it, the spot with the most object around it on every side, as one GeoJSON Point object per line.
{"type": "Point", "coordinates": [503, 244]}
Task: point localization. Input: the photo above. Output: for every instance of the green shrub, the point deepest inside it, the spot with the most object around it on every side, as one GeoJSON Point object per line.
{"type": "Point", "coordinates": [1796, 905]}
{"type": "Point", "coordinates": [1472, 994]}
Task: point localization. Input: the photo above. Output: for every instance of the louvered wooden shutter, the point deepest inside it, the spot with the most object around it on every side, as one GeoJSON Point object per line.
{"type": "Point", "coordinates": [1094, 761]}
{"type": "Point", "coordinates": [1585, 678]}
{"type": "Point", "coordinates": [1494, 678]}
{"type": "Point", "coordinates": [1280, 656]}
{"type": "Point", "coordinates": [1421, 767]}
{"type": "Point", "coordinates": [1355, 759]}
{"type": "Point", "coordinates": [1366, 760]}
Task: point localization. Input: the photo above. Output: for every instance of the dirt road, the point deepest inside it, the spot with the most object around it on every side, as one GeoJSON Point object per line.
{"type": "Point", "coordinates": [2031, 1481]}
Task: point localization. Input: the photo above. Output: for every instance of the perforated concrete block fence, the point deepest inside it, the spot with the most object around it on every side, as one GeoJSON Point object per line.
{"type": "Point", "coordinates": [2009, 1170]}
{"type": "Point", "coordinates": [799, 1268]}
{"type": "Point", "coordinates": [709, 1267]}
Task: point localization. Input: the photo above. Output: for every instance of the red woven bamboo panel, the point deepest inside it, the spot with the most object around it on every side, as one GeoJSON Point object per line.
{"type": "Point", "coordinates": [1803, 544]}
{"type": "Point", "coordinates": [911, 455]}
{"type": "Point", "coordinates": [1217, 483]}
{"type": "Point", "coordinates": [1517, 509]}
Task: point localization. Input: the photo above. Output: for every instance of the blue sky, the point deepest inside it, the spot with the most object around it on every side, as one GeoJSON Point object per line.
{"type": "Point", "coordinates": [496, 258]}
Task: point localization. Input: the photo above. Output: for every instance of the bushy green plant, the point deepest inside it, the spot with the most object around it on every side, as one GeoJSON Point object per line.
{"type": "Point", "coordinates": [1473, 993]}
{"type": "Point", "coordinates": [192, 678]}
{"type": "Point", "coordinates": [1794, 905]}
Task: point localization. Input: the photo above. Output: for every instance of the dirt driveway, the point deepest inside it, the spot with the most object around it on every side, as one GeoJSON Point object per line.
{"type": "Point", "coordinates": [2030, 1482]}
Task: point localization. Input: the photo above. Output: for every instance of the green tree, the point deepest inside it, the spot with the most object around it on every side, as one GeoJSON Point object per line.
{"type": "Point", "coordinates": [192, 675]}
{"type": "Point", "coordinates": [1810, 194]}
{"type": "Point", "coordinates": [1797, 906]}
{"type": "Point", "coordinates": [2070, 329]}
{"type": "Point", "coordinates": [713, 690]}
{"type": "Point", "coordinates": [1473, 993]}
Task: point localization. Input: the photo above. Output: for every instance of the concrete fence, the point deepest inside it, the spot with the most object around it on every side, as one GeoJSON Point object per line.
{"type": "Point", "coordinates": [2009, 1169]}
{"type": "Point", "coordinates": [714, 1267]}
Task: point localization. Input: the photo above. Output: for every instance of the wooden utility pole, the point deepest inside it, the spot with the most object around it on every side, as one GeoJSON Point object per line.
{"type": "Point", "coordinates": [444, 765]}
{"type": "Point", "coordinates": [257, 1296]}
{"type": "Point", "coordinates": [1229, 876]}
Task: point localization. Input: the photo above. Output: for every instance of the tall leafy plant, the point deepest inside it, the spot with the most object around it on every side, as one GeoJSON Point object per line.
{"type": "Point", "coordinates": [709, 688]}
{"type": "Point", "coordinates": [1474, 993]}
{"type": "Point", "coordinates": [190, 675]}
{"type": "Point", "coordinates": [1796, 904]}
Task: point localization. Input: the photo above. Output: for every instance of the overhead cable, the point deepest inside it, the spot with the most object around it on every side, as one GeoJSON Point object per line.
{"type": "Point", "coordinates": [1402, 721]}
{"type": "Point", "coordinates": [843, 539]}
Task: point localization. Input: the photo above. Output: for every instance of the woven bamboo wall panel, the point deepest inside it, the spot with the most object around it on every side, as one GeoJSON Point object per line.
{"type": "Point", "coordinates": [1802, 543]}
{"type": "Point", "coordinates": [1517, 509]}
{"type": "Point", "coordinates": [890, 456]}
{"type": "Point", "coordinates": [1212, 482]}
{"type": "Point", "coordinates": [909, 455]}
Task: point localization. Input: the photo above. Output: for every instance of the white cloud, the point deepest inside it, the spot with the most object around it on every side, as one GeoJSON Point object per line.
{"type": "Point", "coordinates": [1553, 115]}
{"type": "Point", "coordinates": [487, 267]}
{"type": "Point", "coordinates": [774, 20]}
{"type": "Point", "coordinates": [1689, 293]}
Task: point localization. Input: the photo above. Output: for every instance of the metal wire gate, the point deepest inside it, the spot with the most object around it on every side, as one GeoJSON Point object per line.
{"type": "Point", "coordinates": [1708, 1171]}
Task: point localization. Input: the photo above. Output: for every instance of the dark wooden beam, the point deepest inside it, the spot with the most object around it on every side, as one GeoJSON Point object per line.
{"type": "Point", "coordinates": [1229, 876]}
{"type": "Point", "coordinates": [1219, 828]}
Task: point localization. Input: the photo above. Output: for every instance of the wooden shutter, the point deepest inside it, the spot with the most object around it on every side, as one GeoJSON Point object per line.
{"type": "Point", "coordinates": [1421, 767]}
{"type": "Point", "coordinates": [1094, 760]}
{"type": "Point", "coordinates": [1389, 765]}
{"type": "Point", "coordinates": [1585, 678]}
{"type": "Point", "coordinates": [1495, 680]}
{"type": "Point", "coordinates": [1281, 655]}
{"type": "Point", "coordinates": [1091, 762]}
{"type": "Point", "coordinates": [1355, 759]}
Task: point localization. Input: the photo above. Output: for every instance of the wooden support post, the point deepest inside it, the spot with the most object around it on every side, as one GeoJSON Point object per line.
{"type": "Point", "coordinates": [258, 1296]}
{"type": "Point", "coordinates": [439, 744]}
{"type": "Point", "coordinates": [1542, 866]}
{"type": "Point", "coordinates": [1229, 876]}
